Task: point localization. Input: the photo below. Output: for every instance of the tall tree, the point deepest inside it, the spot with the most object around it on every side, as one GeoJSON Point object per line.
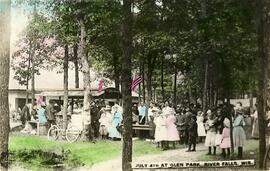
{"type": "Point", "coordinates": [4, 79]}
{"type": "Point", "coordinates": [263, 10]}
{"type": "Point", "coordinates": [86, 79]}
{"type": "Point", "coordinates": [126, 86]}
{"type": "Point", "coordinates": [33, 62]}
{"type": "Point", "coordinates": [65, 105]}
{"type": "Point", "coordinates": [76, 65]}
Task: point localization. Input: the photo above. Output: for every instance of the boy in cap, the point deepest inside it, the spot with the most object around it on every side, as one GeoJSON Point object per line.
{"type": "Point", "coordinates": [192, 132]}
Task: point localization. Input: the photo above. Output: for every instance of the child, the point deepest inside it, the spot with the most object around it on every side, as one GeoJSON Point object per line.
{"type": "Point", "coordinates": [103, 129]}
{"type": "Point", "coordinates": [192, 132]}
{"type": "Point", "coordinates": [226, 139]}
{"type": "Point", "coordinates": [200, 129]}
{"type": "Point", "coordinates": [211, 133]}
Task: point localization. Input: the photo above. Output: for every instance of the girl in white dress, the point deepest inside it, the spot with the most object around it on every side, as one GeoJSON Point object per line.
{"type": "Point", "coordinates": [210, 140]}
{"type": "Point", "coordinates": [201, 128]}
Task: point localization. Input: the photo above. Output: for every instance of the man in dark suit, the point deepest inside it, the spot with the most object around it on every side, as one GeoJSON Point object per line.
{"type": "Point", "coordinates": [50, 113]}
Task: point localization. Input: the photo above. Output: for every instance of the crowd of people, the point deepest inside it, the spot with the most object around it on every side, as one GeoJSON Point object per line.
{"type": "Point", "coordinates": [186, 124]}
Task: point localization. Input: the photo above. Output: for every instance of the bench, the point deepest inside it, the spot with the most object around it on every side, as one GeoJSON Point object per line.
{"type": "Point", "coordinates": [141, 127]}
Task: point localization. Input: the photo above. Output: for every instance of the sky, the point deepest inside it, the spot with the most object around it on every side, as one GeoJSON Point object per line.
{"type": "Point", "coordinates": [47, 79]}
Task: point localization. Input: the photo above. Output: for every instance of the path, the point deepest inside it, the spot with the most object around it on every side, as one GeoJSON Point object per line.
{"type": "Point", "coordinates": [166, 156]}
{"type": "Point", "coordinates": [177, 155]}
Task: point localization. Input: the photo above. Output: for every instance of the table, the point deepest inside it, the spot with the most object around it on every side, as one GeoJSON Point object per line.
{"type": "Point", "coordinates": [142, 131]}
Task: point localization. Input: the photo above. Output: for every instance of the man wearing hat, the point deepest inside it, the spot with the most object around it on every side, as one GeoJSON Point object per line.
{"type": "Point", "coordinates": [50, 113]}
{"type": "Point", "coordinates": [192, 132]}
{"type": "Point", "coordinates": [187, 117]}
{"type": "Point", "coordinates": [181, 124]}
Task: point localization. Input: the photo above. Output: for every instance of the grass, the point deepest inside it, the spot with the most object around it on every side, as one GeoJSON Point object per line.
{"type": "Point", "coordinates": [251, 151]}
{"type": "Point", "coordinates": [86, 153]}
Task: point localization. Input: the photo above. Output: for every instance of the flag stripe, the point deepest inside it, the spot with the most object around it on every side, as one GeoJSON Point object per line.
{"type": "Point", "coordinates": [136, 82]}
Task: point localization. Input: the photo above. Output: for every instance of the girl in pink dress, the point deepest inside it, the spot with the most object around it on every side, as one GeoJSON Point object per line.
{"type": "Point", "coordinates": [226, 138]}
{"type": "Point", "coordinates": [172, 133]}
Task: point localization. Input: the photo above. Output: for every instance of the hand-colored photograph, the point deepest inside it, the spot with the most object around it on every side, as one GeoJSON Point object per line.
{"type": "Point", "coordinates": [134, 85]}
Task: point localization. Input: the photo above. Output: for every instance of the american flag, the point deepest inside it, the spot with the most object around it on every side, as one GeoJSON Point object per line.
{"type": "Point", "coordinates": [136, 82]}
{"type": "Point", "coordinates": [100, 85]}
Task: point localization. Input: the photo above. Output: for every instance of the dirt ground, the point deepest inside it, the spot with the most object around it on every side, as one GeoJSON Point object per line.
{"type": "Point", "coordinates": [177, 155]}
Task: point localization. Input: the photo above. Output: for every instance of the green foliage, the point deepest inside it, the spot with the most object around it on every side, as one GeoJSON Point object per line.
{"type": "Point", "coordinates": [225, 36]}
{"type": "Point", "coordinates": [39, 151]}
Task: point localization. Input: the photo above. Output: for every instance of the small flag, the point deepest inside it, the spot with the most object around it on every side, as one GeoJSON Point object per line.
{"type": "Point", "coordinates": [136, 82]}
{"type": "Point", "coordinates": [39, 100]}
{"type": "Point", "coordinates": [100, 85]}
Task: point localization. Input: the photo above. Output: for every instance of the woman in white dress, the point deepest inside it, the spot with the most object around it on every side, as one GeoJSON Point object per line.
{"type": "Point", "coordinates": [201, 128]}
{"type": "Point", "coordinates": [161, 130]}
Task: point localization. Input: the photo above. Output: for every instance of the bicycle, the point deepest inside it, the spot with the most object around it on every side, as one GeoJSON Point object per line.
{"type": "Point", "coordinates": [71, 134]}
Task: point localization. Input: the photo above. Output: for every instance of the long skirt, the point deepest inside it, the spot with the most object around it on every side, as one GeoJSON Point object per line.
{"type": "Point", "coordinates": [226, 143]}
{"type": "Point", "coordinates": [114, 133]}
{"type": "Point", "coordinates": [201, 130]}
{"type": "Point", "coordinates": [160, 133]}
{"type": "Point", "coordinates": [239, 136]}
{"type": "Point", "coordinates": [210, 140]}
{"type": "Point", "coordinates": [255, 129]}
{"type": "Point", "coordinates": [172, 133]}
{"type": "Point", "coordinates": [218, 139]}
{"type": "Point", "coordinates": [103, 130]}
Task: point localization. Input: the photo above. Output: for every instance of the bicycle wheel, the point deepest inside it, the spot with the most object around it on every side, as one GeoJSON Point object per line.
{"type": "Point", "coordinates": [53, 133]}
{"type": "Point", "coordinates": [72, 133]}
{"type": "Point", "coordinates": [267, 159]}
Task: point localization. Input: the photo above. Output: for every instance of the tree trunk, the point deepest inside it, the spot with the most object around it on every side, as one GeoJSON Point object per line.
{"type": "Point", "coordinates": [33, 78]}
{"type": "Point", "coordinates": [76, 64]}
{"type": "Point", "coordinates": [86, 82]}
{"type": "Point", "coordinates": [65, 105]}
{"type": "Point", "coordinates": [32, 52]}
{"type": "Point", "coordinates": [116, 72]}
{"type": "Point", "coordinates": [148, 86]}
{"type": "Point", "coordinates": [143, 82]}
{"type": "Point", "coordinates": [263, 10]}
{"type": "Point", "coordinates": [204, 100]}
{"type": "Point", "coordinates": [126, 87]}
{"type": "Point", "coordinates": [162, 79]}
{"type": "Point", "coordinates": [175, 87]}
{"type": "Point", "coordinates": [190, 91]}
{"type": "Point", "coordinates": [27, 78]}
{"type": "Point", "coordinates": [140, 85]}
{"type": "Point", "coordinates": [251, 101]}
{"type": "Point", "coordinates": [205, 86]}
{"type": "Point", "coordinates": [4, 80]}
